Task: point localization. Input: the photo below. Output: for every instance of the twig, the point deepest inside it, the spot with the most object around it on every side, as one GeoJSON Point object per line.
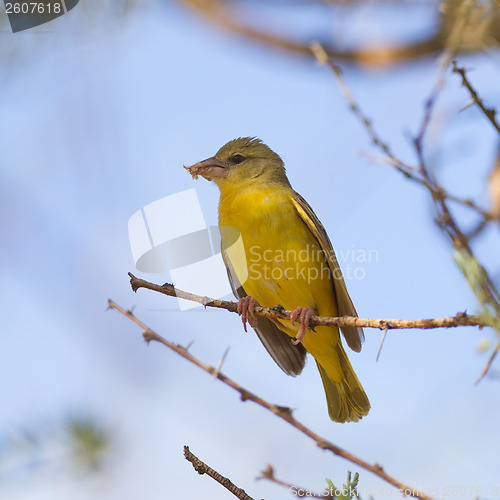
{"type": "Point", "coordinates": [402, 167]}
{"type": "Point", "coordinates": [225, 15]}
{"type": "Point", "coordinates": [422, 174]}
{"type": "Point", "coordinates": [202, 468]}
{"type": "Point", "coordinates": [280, 411]}
{"type": "Point", "coordinates": [299, 491]}
{"type": "Point", "coordinates": [490, 113]}
{"type": "Point", "coordinates": [322, 57]}
{"type": "Point", "coordinates": [410, 172]}
{"type": "Point", "coordinates": [488, 364]}
{"type": "Point", "coordinates": [278, 312]}
{"type": "Point", "coordinates": [444, 218]}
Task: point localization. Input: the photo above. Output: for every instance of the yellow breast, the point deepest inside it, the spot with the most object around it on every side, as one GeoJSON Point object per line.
{"type": "Point", "coordinates": [279, 261]}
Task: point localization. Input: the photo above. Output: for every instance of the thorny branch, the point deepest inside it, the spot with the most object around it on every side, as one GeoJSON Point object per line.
{"type": "Point", "coordinates": [202, 468]}
{"type": "Point", "coordinates": [282, 412]}
{"type": "Point", "coordinates": [239, 18]}
{"type": "Point", "coordinates": [409, 171]}
{"type": "Point", "coordinates": [490, 113]}
{"type": "Point", "coordinates": [268, 474]}
{"type": "Point", "coordinates": [278, 312]}
{"type": "Point", "coordinates": [423, 175]}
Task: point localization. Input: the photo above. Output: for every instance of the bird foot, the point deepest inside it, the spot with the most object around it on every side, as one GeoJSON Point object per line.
{"type": "Point", "coordinates": [303, 314]}
{"type": "Point", "coordinates": [246, 311]}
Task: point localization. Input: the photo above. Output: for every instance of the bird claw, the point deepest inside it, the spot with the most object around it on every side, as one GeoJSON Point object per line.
{"type": "Point", "coordinates": [303, 314]}
{"type": "Point", "coordinates": [245, 309]}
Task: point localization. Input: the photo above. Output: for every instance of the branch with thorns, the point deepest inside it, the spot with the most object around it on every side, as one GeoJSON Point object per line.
{"type": "Point", "coordinates": [388, 157]}
{"type": "Point", "coordinates": [486, 291]}
{"type": "Point", "coordinates": [230, 16]}
{"type": "Point", "coordinates": [278, 312]}
{"type": "Point", "coordinates": [282, 412]}
{"type": "Point", "coordinates": [202, 468]}
{"type": "Point", "coordinates": [490, 113]}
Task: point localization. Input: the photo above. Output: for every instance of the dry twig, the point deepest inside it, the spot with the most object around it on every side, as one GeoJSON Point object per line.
{"type": "Point", "coordinates": [490, 113]}
{"type": "Point", "coordinates": [488, 363]}
{"type": "Point", "coordinates": [278, 312]}
{"type": "Point", "coordinates": [230, 16]}
{"type": "Point", "coordinates": [422, 175]}
{"type": "Point", "coordinates": [202, 468]}
{"type": "Point", "coordinates": [409, 171]}
{"type": "Point", "coordinates": [268, 474]}
{"type": "Point", "coordinates": [282, 412]}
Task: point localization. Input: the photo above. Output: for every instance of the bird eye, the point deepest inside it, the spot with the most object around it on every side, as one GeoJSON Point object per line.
{"type": "Point", "coordinates": [237, 159]}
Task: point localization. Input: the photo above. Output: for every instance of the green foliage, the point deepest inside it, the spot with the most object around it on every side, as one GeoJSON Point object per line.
{"type": "Point", "coordinates": [75, 446]}
{"type": "Point", "coordinates": [478, 281]}
{"type": "Point", "coordinates": [348, 490]}
{"type": "Point", "coordinates": [88, 442]}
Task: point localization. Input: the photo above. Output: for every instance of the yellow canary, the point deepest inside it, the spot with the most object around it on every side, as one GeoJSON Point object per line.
{"type": "Point", "coordinates": [277, 252]}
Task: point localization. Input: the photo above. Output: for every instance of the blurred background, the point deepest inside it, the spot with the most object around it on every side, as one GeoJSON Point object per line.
{"type": "Point", "coordinates": [101, 108]}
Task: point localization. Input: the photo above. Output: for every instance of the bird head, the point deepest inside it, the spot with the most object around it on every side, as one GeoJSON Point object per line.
{"type": "Point", "coordinates": [241, 161]}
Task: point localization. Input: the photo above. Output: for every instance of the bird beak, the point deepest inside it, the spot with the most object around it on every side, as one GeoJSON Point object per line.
{"type": "Point", "coordinates": [210, 169]}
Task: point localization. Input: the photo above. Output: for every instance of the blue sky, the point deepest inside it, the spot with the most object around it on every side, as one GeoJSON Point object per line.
{"type": "Point", "coordinates": [97, 119]}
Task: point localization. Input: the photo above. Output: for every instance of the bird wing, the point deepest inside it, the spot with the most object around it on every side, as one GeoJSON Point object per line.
{"type": "Point", "coordinates": [289, 357]}
{"type": "Point", "coordinates": [353, 335]}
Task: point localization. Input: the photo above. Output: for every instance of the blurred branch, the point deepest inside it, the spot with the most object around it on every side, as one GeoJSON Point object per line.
{"type": "Point", "coordinates": [278, 312]}
{"type": "Point", "coordinates": [202, 468]}
{"type": "Point", "coordinates": [490, 113]}
{"type": "Point", "coordinates": [410, 172]}
{"type": "Point", "coordinates": [282, 412]}
{"type": "Point", "coordinates": [268, 474]}
{"type": "Point", "coordinates": [347, 492]}
{"type": "Point", "coordinates": [479, 280]}
{"type": "Point", "coordinates": [482, 34]}
{"type": "Point", "coordinates": [488, 364]}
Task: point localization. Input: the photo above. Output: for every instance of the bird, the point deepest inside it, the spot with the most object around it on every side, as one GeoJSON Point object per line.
{"type": "Point", "coordinates": [277, 253]}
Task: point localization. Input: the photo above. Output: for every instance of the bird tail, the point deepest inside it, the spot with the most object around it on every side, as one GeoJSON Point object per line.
{"type": "Point", "coordinates": [347, 401]}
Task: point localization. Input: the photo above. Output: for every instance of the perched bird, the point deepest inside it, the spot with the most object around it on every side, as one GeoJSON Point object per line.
{"type": "Point", "coordinates": [285, 258]}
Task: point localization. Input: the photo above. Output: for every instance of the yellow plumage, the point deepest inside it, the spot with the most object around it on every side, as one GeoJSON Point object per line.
{"type": "Point", "coordinates": [285, 257]}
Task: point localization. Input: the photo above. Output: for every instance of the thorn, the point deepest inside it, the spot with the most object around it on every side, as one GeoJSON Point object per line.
{"type": "Point", "coordinates": [468, 105]}
{"type": "Point", "coordinates": [282, 410]}
{"type": "Point", "coordinates": [221, 362]}
{"type": "Point", "coordinates": [318, 52]}
{"type": "Point", "coordinates": [381, 344]}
